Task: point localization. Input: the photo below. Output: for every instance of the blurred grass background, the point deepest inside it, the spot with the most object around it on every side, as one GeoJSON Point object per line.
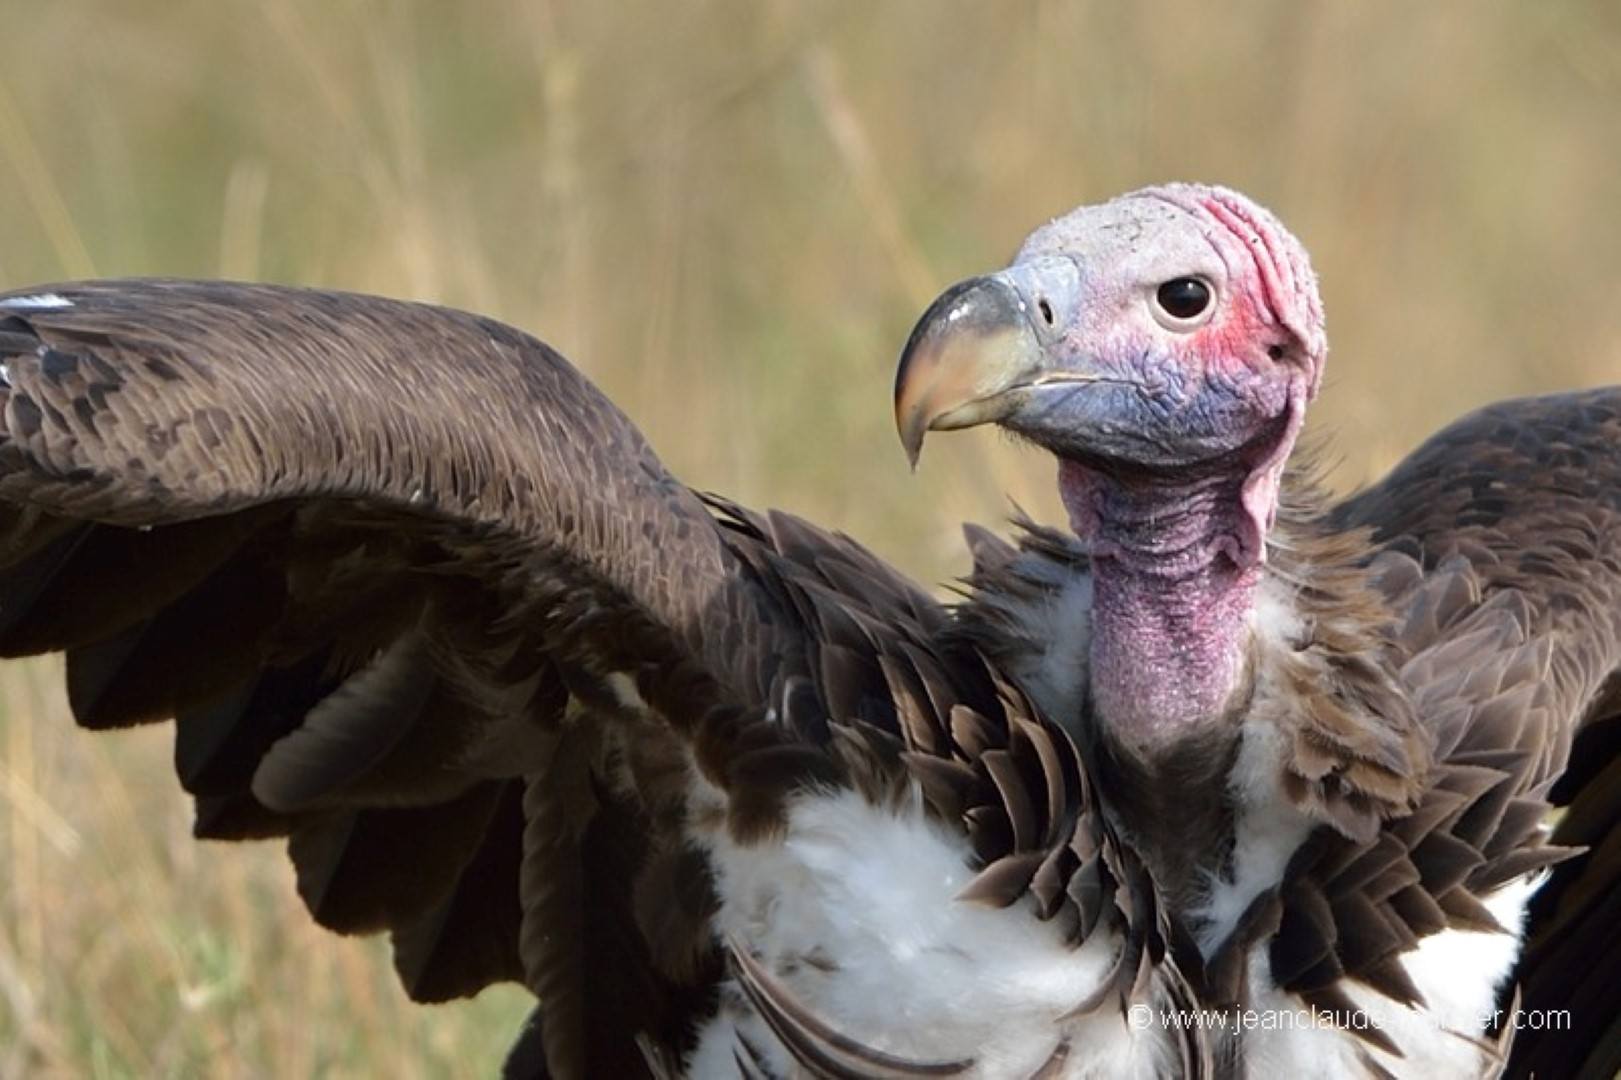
{"type": "Point", "coordinates": [728, 214]}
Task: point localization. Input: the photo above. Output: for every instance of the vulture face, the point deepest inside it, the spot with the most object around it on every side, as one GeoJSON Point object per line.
{"type": "Point", "coordinates": [1172, 329]}
{"type": "Point", "coordinates": [1163, 346]}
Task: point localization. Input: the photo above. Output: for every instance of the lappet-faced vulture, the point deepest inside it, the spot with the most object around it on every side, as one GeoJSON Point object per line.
{"type": "Point", "coordinates": [1225, 778]}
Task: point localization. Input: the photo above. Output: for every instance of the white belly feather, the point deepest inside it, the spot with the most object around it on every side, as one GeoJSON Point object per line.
{"type": "Point", "coordinates": [855, 912]}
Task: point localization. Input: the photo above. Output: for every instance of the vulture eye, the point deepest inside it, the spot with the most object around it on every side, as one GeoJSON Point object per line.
{"type": "Point", "coordinates": [1182, 303]}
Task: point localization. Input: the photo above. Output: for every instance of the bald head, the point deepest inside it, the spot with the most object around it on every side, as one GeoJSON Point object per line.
{"type": "Point", "coordinates": [1173, 328]}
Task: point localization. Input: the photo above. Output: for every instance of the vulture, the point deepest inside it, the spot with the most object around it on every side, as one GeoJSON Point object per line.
{"type": "Point", "coordinates": [1221, 777]}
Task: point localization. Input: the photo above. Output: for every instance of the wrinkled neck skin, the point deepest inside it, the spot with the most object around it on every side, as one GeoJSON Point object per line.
{"type": "Point", "coordinates": [1172, 593]}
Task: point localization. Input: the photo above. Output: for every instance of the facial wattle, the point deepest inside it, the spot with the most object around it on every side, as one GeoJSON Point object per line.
{"type": "Point", "coordinates": [1164, 525]}
{"type": "Point", "coordinates": [1177, 553]}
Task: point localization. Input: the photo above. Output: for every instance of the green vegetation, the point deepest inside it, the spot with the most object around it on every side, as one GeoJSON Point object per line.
{"type": "Point", "coordinates": [728, 214]}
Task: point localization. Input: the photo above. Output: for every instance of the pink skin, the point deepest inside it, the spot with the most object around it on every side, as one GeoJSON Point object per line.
{"type": "Point", "coordinates": [1177, 549]}
{"type": "Point", "coordinates": [1167, 598]}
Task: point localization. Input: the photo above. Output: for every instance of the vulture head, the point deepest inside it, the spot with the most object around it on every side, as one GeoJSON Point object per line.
{"type": "Point", "coordinates": [1163, 346]}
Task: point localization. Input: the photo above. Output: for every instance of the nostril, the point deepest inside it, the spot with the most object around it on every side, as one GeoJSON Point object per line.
{"type": "Point", "coordinates": [1275, 351]}
{"type": "Point", "coordinates": [1046, 310]}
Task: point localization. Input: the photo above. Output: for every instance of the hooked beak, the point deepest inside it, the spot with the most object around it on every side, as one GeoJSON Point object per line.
{"type": "Point", "coordinates": [975, 355]}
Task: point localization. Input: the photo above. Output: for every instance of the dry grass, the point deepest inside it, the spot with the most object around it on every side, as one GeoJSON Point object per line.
{"type": "Point", "coordinates": [727, 213]}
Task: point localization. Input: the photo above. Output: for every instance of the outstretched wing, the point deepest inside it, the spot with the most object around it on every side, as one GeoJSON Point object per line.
{"type": "Point", "coordinates": [1502, 545]}
{"type": "Point", "coordinates": [387, 565]}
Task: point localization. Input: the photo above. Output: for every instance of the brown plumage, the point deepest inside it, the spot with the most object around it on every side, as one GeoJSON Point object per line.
{"type": "Point", "coordinates": [422, 601]}
{"type": "Point", "coordinates": [378, 560]}
{"type": "Point", "coordinates": [1427, 592]}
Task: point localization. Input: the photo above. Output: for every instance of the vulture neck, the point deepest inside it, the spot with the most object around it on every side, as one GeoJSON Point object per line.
{"type": "Point", "coordinates": [1171, 600]}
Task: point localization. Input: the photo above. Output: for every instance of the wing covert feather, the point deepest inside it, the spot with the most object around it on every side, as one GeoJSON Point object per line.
{"type": "Point", "coordinates": [153, 402]}
{"type": "Point", "coordinates": [1512, 517]}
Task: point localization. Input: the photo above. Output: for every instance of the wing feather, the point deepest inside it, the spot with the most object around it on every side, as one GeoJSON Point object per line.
{"type": "Point", "coordinates": [1511, 522]}
{"type": "Point", "coordinates": [366, 553]}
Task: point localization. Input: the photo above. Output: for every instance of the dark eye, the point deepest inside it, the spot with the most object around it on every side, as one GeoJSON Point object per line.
{"type": "Point", "coordinates": [1183, 298]}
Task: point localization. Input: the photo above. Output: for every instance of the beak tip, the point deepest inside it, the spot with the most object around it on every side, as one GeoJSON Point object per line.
{"type": "Point", "coordinates": [914, 451]}
{"type": "Point", "coordinates": [911, 428]}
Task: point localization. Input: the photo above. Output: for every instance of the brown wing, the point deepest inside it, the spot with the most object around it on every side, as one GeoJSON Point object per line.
{"type": "Point", "coordinates": [380, 560]}
{"type": "Point", "coordinates": [1502, 544]}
